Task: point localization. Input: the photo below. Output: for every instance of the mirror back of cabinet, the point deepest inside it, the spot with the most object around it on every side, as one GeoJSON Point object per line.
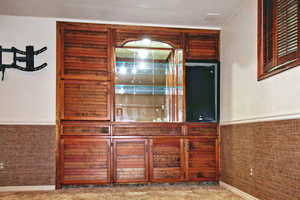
{"type": "Point", "coordinates": [148, 85]}
{"type": "Point", "coordinates": [202, 92]}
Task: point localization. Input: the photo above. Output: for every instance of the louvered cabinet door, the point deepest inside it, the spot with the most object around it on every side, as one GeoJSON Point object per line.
{"type": "Point", "coordinates": [166, 160]}
{"type": "Point", "coordinates": [201, 159]}
{"type": "Point", "coordinates": [85, 161]}
{"type": "Point", "coordinates": [130, 160]}
{"type": "Point", "coordinates": [85, 100]}
{"type": "Point", "coordinates": [84, 51]}
{"type": "Point", "coordinates": [202, 47]}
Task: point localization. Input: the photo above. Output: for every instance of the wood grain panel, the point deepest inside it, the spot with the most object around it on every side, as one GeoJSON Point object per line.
{"type": "Point", "coordinates": [85, 160]}
{"type": "Point", "coordinates": [166, 160]}
{"type": "Point", "coordinates": [86, 53]}
{"type": "Point", "coordinates": [201, 159]}
{"type": "Point", "coordinates": [172, 38]}
{"type": "Point", "coordinates": [147, 129]}
{"type": "Point", "coordinates": [130, 160]}
{"type": "Point", "coordinates": [205, 47]}
{"type": "Point", "coordinates": [85, 100]}
{"type": "Point", "coordinates": [197, 129]}
{"type": "Point", "coordinates": [85, 128]}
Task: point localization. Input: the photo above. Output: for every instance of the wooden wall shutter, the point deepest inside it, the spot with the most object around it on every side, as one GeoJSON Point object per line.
{"type": "Point", "coordinates": [287, 12]}
{"type": "Point", "coordinates": [278, 36]}
{"type": "Point", "coordinates": [268, 26]}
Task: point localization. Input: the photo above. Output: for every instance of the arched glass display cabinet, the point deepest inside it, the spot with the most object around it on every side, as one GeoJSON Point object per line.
{"type": "Point", "coordinates": [148, 82]}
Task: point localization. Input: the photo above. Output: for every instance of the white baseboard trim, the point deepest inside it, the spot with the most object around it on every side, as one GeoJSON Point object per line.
{"type": "Point", "coordinates": [236, 191]}
{"type": "Point", "coordinates": [27, 188]}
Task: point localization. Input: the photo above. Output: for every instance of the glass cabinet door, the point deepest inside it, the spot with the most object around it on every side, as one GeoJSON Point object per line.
{"type": "Point", "coordinates": [147, 85]}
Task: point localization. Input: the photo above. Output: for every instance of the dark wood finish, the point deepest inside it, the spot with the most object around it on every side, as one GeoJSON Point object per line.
{"type": "Point", "coordinates": [85, 100]}
{"type": "Point", "coordinates": [85, 160]}
{"type": "Point", "coordinates": [171, 38]}
{"type": "Point", "coordinates": [205, 129]}
{"type": "Point", "coordinates": [85, 128]}
{"type": "Point", "coordinates": [147, 129]}
{"type": "Point", "coordinates": [166, 160]}
{"type": "Point", "coordinates": [91, 147]}
{"type": "Point", "coordinates": [201, 160]}
{"type": "Point", "coordinates": [85, 51]}
{"type": "Point", "coordinates": [130, 160]}
{"type": "Point", "coordinates": [202, 47]}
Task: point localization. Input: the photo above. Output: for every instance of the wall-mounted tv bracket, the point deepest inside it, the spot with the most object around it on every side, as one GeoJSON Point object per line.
{"type": "Point", "coordinates": [28, 59]}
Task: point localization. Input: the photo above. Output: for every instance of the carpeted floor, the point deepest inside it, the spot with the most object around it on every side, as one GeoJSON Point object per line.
{"type": "Point", "coordinates": [157, 192]}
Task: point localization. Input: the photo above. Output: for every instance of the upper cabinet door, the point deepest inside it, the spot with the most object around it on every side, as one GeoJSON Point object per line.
{"type": "Point", "coordinates": [130, 160]}
{"type": "Point", "coordinates": [85, 100]}
{"type": "Point", "coordinates": [167, 160]}
{"type": "Point", "coordinates": [202, 46]}
{"type": "Point", "coordinates": [84, 51]}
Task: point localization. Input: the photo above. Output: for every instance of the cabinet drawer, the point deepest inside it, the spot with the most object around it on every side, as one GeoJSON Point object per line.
{"type": "Point", "coordinates": [82, 128]}
{"type": "Point", "coordinates": [202, 130]}
{"type": "Point", "coordinates": [156, 129]}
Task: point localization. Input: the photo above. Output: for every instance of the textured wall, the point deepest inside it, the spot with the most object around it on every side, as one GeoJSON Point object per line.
{"type": "Point", "coordinates": [28, 97]}
{"type": "Point", "coordinates": [242, 96]}
{"type": "Point", "coordinates": [28, 154]}
{"type": "Point", "coordinates": [271, 149]}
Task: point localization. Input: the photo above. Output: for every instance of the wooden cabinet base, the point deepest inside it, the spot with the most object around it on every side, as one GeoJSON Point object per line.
{"type": "Point", "coordinates": [99, 157]}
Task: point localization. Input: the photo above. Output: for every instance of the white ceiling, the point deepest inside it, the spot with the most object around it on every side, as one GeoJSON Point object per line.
{"type": "Point", "coordinates": [193, 13]}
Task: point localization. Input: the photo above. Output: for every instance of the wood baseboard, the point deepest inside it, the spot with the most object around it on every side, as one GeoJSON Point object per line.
{"type": "Point", "coordinates": [27, 188]}
{"type": "Point", "coordinates": [236, 191]}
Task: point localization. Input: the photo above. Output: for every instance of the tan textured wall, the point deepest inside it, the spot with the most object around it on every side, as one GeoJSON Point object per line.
{"type": "Point", "coordinates": [28, 154]}
{"type": "Point", "coordinates": [271, 149]}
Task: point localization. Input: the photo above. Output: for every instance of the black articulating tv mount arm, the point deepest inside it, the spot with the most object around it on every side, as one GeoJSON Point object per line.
{"type": "Point", "coordinates": [28, 59]}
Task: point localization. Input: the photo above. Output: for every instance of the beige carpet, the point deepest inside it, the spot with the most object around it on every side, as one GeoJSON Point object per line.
{"type": "Point", "coordinates": [156, 192]}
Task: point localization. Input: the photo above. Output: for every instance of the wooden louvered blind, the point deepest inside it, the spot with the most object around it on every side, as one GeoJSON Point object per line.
{"type": "Point", "coordinates": [279, 36]}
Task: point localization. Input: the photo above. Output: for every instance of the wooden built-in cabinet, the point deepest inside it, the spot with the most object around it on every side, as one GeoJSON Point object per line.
{"type": "Point", "coordinates": [91, 154]}
{"type": "Point", "coordinates": [92, 147]}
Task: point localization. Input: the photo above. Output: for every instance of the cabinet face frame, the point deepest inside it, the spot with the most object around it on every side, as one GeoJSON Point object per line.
{"type": "Point", "coordinates": [62, 161]}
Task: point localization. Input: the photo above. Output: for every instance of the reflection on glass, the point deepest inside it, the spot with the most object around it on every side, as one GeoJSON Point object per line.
{"type": "Point", "coordinates": [147, 84]}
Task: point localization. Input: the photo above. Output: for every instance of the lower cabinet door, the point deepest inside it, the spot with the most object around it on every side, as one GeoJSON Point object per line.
{"type": "Point", "coordinates": [130, 160]}
{"type": "Point", "coordinates": [201, 159]}
{"type": "Point", "coordinates": [166, 160]}
{"type": "Point", "coordinates": [85, 161]}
